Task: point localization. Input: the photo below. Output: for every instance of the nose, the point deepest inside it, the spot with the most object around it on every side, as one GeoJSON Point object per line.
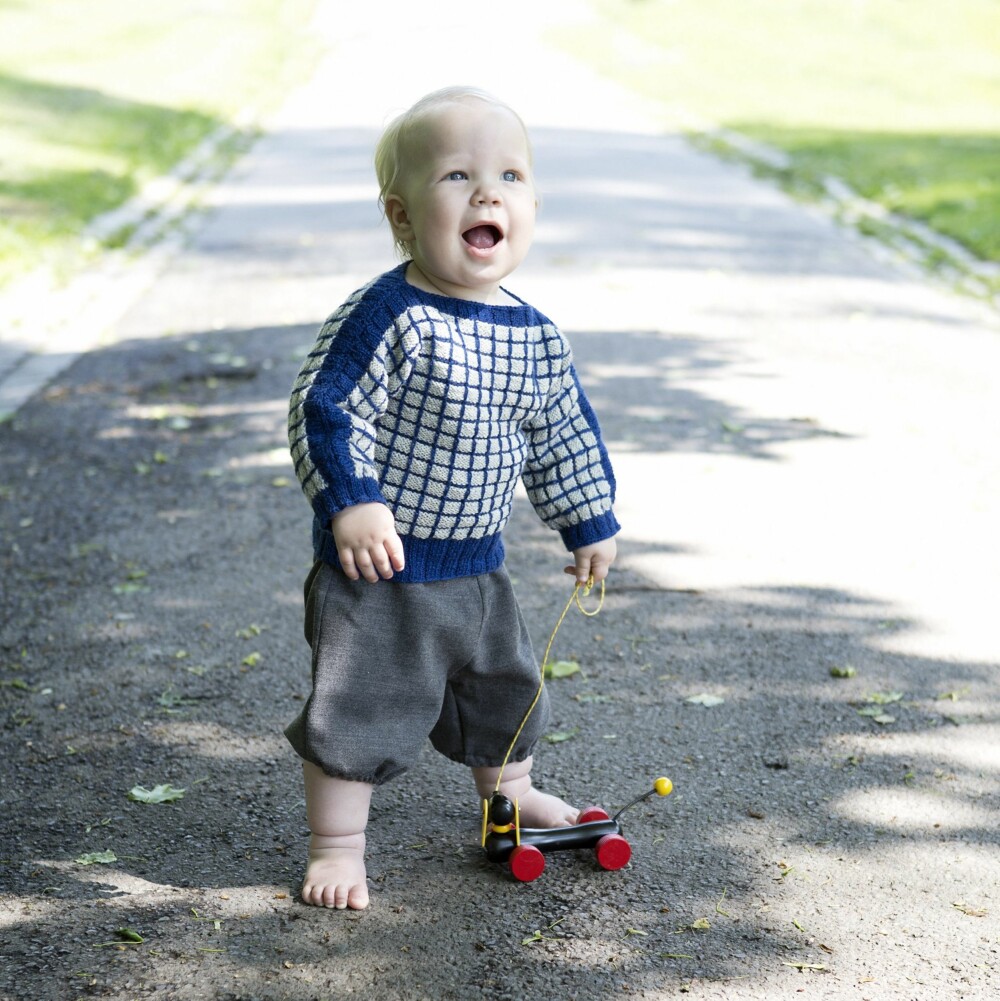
{"type": "Point", "coordinates": [486, 193]}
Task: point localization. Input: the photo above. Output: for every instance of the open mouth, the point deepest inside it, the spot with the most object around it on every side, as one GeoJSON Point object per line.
{"type": "Point", "coordinates": [483, 237]}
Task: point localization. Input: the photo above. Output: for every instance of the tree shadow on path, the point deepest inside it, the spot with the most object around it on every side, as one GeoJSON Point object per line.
{"type": "Point", "coordinates": [151, 634]}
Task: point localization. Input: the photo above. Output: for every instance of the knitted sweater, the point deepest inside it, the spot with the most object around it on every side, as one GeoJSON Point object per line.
{"type": "Point", "coordinates": [436, 406]}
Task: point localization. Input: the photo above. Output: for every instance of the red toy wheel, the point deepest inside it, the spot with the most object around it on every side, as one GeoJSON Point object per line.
{"type": "Point", "coordinates": [612, 851]}
{"type": "Point", "coordinates": [589, 813]}
{"type": "Point", "coordinates": [526, 863]}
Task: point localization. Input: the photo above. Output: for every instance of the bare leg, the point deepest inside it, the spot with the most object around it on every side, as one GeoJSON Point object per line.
{"type": "Point", "coordinates": [337, 811]}
{"type": "Point", "coordinates": [537, 809]}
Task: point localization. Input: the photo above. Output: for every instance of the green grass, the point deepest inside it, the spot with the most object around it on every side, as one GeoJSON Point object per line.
{"type": "Point", "coordinates": [96, 98]}
{"type": "Point", "coordinates": [899, 99]}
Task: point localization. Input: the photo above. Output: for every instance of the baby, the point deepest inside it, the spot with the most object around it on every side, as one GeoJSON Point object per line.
{"type": "Point", "coordinates": [429, 393]}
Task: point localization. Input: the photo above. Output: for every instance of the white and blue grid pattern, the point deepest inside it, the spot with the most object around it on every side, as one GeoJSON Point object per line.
{"type": "Point", "coordinates": [437, 406]}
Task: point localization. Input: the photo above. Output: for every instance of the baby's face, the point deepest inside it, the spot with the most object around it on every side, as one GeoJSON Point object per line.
{"type": "Point", "coordinates": [466, 205]}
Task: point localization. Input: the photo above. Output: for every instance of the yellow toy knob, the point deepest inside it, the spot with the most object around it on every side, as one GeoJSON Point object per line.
{"type": "Point", "coordinates": [663, 786]}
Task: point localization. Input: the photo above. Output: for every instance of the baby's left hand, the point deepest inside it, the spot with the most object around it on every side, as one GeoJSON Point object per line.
{"type": "Point", "coordinates": [594, 559]}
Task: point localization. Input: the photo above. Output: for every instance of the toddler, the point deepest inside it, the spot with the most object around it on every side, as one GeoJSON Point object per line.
{"type": "Point", "coordinates": [428, 394]}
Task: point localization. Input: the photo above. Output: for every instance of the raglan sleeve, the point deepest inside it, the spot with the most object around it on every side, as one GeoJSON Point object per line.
{"type": "Point", "coordinates": [361, 358]}
{"type": "Point", "coordinates": [568, 473]}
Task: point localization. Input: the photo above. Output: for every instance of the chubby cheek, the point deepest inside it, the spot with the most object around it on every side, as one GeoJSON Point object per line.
{"type": "Point", "coordinates": [523, 231]}
{"type": "Point", "coordinates": [526, 218]}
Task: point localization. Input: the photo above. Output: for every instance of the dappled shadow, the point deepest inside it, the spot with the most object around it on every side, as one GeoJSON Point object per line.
{"type": "Point", "coordinates": [645, 393]}
{"type": "Point", "coordinates": [154, 547]}
{"type": "Point", "coordinates": [651, 202]}
{"type": "Point", "coordinates": [151, 634]}
{"type": "Point", "coordinates": [646, 202]}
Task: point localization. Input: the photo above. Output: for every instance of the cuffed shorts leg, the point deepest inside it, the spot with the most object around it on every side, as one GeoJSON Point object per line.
{"type": "Point", "coordinates": [394, 664]}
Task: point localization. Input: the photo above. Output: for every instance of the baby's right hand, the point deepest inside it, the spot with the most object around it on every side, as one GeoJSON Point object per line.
{"type": "Point", "coordinates": [368, 544]}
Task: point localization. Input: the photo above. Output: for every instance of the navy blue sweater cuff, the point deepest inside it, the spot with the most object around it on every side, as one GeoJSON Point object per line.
{"type": "Point", "coordinates": [586, 533]}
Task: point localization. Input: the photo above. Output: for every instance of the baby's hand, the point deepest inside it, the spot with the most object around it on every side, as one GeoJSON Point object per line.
{"type": "Point", "coordinates": [593, 559]}
{"type": "Point", "coordinates": [367, 542]}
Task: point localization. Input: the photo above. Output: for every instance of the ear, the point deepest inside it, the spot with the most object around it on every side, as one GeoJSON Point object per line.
{"type": "Point", "coordinates": [399, 218]}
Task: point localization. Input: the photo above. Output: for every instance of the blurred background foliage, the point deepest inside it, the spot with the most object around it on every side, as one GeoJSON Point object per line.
{"type": "Point", "coordinates": [898, 98]}
{"type": "Point", "coordinates": [96, 98]}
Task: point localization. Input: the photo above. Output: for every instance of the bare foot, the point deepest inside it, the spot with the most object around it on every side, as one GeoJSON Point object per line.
{"type": "Point", "coordinates": [539, 809]}
{"type": "Point", "coordinates": [335, 875]}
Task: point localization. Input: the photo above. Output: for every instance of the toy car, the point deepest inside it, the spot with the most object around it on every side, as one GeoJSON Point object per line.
{"type": "Point", "coordinates": [524, 848]}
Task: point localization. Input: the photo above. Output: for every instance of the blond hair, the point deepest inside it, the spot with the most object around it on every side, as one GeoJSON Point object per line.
{"type": "Point", "coordinates": [391, 149]}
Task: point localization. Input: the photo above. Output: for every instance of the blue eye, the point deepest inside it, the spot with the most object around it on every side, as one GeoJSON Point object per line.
{"type": "Point", "coordinates": [456, 175]}
{"type": "Point", "coordinates": [509, 175]}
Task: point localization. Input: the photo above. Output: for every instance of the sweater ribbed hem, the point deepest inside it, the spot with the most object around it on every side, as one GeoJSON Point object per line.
{"type": "Point", "coordinates": [428, 559]}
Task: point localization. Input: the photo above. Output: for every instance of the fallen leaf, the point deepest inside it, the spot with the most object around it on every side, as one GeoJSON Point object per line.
{"type": "Point", "coordinates": [158, 794]}
{"type": "Point", "coordinates": [877, 714]}
{"type": "Point", "coordinates": [560, 736]}
{"type": "Point", "coordinates": [705, 699]}
{"type": "Point", "coordinates": [129, 935]}
{"type": "Point", "coordinates": [92, 858]}
{"type": "Point", "coordinates": [843, 672]}
{"type": "Point", "coordinates": [225, 358]}
{"type": "Point", "coordinates": [700, 924]}
{"type": "Point", "coordinates": [952, 696]}
{"type": "Point", "coordinates": [560, 669]}
{"type": "Point", "coordinates": [251, 659]}
{"type": "Point", "coordinates": [807, 966]}
{"type": "Point", "coordinates": [170, 699]}
{"type": "Point", "coordinates": [884, 698]}
{"type": "Point", "coordinates": [972, 912]}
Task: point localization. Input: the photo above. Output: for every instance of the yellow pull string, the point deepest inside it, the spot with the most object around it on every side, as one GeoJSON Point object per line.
{"type": "Point", "coordinates": [574, 597]}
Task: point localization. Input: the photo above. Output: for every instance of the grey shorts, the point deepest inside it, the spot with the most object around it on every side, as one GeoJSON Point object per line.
{"type": "Point", "coordinates": [394, 664]}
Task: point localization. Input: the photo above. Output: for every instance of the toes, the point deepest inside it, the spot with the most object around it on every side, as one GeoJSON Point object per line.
{"type": "Point", "coordinates": [312, 894]}
{"type": "Point", "coordinates": [335, 896]}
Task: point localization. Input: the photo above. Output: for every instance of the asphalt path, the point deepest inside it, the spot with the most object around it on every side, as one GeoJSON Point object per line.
{"type": "Point", "coordinates": [804, 434]}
